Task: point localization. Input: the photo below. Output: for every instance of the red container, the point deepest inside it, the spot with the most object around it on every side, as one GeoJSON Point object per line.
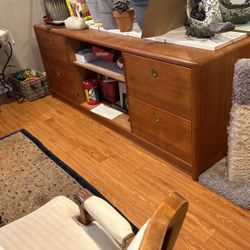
{"type": "Point", "coordinates": [92, 91]}
{"type": "Point", "coordinates": [107, 55]}
{"type": "Point", "coordinates": [110, 90]}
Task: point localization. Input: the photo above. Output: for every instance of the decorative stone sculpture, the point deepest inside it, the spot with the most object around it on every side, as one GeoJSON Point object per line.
{"type": "Point", "coordinates": [204, 19]}
{"type": "Point", "coordinates": [235, 13]}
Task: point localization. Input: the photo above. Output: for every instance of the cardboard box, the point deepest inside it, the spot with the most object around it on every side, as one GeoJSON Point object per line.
{"type": "Point", "coordinates": [85, 56]}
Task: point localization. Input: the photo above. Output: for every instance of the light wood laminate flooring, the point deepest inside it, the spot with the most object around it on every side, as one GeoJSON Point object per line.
{"type": "Point", "coordinates": [134, 180]}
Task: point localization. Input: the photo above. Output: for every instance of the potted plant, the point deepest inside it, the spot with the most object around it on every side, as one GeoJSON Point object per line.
{"type": "Point", "coordinates": [123, 14]}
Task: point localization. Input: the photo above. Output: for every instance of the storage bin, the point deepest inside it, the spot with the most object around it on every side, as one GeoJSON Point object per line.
{"type": "Point", "coordinates": [30, 90]}
{"type": "Point", "coordinates": [110, 90]}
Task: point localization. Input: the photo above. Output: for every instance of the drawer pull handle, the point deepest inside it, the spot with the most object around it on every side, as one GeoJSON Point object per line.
{"type": "Point", "coordinates": [157, 119]}
{"type": "Point", "coordinates": [58, 74]}
{"type": "Point", "coordinates": [154, 73]}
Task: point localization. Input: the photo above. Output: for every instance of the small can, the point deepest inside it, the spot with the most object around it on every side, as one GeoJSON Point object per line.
{"type": "Point", "coordinates": [92, 91]}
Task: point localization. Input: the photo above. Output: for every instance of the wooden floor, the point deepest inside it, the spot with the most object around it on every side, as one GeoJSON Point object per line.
{"type": "Point", "coordinates": [131, 178]}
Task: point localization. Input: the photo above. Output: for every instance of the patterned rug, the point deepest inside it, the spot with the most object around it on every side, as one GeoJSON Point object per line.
{"type": "Point", "coordinates": [30, 175]}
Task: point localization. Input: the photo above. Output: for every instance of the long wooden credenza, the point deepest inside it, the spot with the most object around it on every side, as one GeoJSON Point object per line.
{"type": "Point", "coordinates": [179, 97]}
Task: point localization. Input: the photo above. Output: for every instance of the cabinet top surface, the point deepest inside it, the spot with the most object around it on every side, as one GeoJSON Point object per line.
{"type": "Point", "coordinates": [171, 53]}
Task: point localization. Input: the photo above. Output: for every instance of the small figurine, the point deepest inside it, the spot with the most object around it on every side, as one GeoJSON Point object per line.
{"type": "Point", "coordinates": [74, 22]}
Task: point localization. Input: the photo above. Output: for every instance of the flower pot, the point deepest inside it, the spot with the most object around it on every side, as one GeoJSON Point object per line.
{"type": "Point", "coordinates": [105, 8]}
{"type": "Point", "coordinates": [94, 10]}
{"type": "Point", "coordinates": [140, 8]}
{"type": "Point", "coordinates": [124, 20]}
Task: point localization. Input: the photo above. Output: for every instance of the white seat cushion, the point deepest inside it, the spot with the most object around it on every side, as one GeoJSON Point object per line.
{"type": "Point", "coordinates": [54, 226]}
{"type": "Point", "coordinates": [136, 242]}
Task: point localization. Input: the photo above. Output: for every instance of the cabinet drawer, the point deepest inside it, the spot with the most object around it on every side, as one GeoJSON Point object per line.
{"type": "Point", "coordinates": [169, 132]}
{"type": "Point", "coordinates": [161, 84]}
{"type": "Point", "coordinates": [52, 46]}
{"type": "Point", "coordinates": [63, 82]}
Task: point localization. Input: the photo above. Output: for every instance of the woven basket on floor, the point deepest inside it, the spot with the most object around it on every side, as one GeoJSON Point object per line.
{"type": "Point", "coordinates": [30, 90]}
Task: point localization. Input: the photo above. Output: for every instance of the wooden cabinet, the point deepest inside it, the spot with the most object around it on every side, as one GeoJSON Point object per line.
{"type": "Point", "coordinates": [64, 78]}
{"type": "Point", "coordinates": [63, 81]}
{"type": "Point", "coordinates": [161, 84]}
{"type": "Point", "coordinates": [160, 101]}
{"type": "Point", "coordinates": [168, 131]}
{"type": "Point", "coordinates": [52, 46]}
{"type": "Point", "coordinates": [179, 97]}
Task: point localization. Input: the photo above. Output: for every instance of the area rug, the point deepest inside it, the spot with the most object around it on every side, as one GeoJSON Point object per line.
{"type": "Point", "coordinates": [216, 178]}
{"type": "Point", "coordinates": [30, 175]}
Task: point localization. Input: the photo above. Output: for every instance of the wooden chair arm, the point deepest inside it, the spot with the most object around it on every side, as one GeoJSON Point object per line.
{"type": "Point", "coordinates": [80, 198]}
{"type": "Point", "coordinates": [165, 224]}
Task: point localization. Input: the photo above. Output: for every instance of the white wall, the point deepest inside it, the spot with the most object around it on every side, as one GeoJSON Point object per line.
{"type": "Point", "coordinates": [18, 16]}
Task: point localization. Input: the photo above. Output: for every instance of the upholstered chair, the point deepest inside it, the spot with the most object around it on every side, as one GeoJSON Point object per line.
{"type": "Point", "coordinates": [93, 224]}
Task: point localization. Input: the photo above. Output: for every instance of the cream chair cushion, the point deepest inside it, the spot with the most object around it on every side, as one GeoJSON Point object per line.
{"type": "Point", "coordinates": [136, 242]}
{"type": "Point", "coordinates": [54, 226]}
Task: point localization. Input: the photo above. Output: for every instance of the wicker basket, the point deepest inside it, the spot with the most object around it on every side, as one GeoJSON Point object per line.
{"type": "Point", "coordinates": [30, 90]}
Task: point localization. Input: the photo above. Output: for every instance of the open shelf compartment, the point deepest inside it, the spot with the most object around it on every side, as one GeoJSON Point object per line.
{"type": "Point", "coordinates": [103, 67]}
{"type": "Point", "coordinates": [121, 121]}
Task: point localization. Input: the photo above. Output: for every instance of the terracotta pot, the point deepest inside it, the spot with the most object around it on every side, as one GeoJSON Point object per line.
{"type": "Point", "coordinates": [124, 20]}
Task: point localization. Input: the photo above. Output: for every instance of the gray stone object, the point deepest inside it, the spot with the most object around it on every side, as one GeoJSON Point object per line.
{"type": "Point", "coordinates": [204, 19]}
{"type": "Point", "coordinates": [235, 13]}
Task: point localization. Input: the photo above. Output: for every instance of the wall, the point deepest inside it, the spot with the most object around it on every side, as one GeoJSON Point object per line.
{"type": "Point", "coordinates": [18, 17]}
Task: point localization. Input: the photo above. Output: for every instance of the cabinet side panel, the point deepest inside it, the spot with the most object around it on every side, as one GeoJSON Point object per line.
{"type": "Point", "coordinates": [212, 91]}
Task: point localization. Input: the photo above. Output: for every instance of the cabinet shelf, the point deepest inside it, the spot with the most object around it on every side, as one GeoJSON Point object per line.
{"type": "Point", "coordinates": [121, 121]}
{"type": "Point", "coordinates": [103, 67]}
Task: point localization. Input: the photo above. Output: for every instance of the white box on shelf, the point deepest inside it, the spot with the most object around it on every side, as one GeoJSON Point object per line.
{"type": "Point", "coordinates": [85, 56]}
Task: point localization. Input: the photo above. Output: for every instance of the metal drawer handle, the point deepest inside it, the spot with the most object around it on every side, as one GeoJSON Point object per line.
{"type": "Point", "coordinates": [157, 119]}
{"type": "Point", "coordinates": [154, 73]}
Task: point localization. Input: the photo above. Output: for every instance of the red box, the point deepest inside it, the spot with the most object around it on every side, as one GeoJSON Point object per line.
{"type": "Point", "coordinates": [108, 55]}
{"type": "Point", "coordinates": [110, 90]}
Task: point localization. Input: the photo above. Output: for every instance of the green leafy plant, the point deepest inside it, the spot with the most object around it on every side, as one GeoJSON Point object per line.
{"type": "Point", "coordinates": [121, 5]}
